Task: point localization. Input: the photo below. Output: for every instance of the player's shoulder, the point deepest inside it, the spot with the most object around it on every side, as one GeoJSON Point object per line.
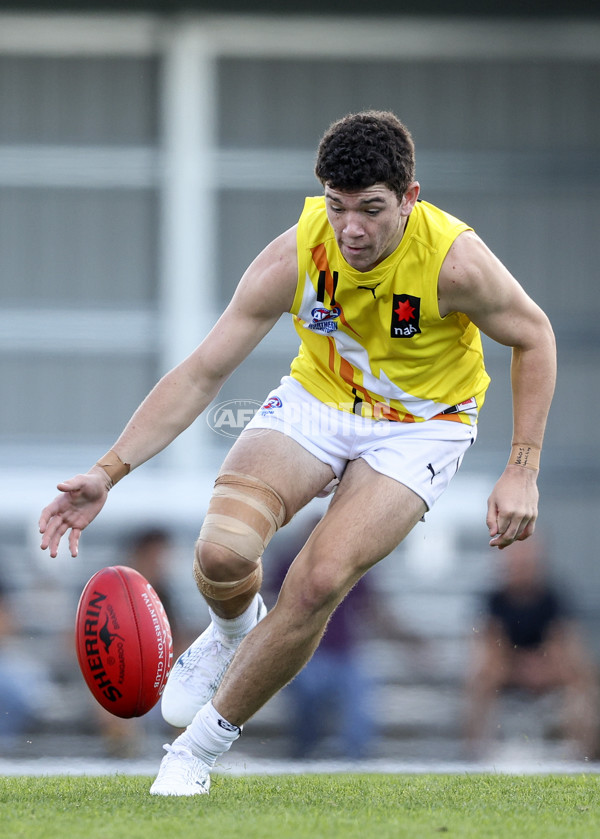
{"type": "Point", "coordinates": [467, 257]}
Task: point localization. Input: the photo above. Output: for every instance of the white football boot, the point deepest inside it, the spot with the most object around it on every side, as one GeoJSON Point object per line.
{"type": "Point", "coordinates": [198, 672]}
{"type": "Point", "coordinates": [181, 773]}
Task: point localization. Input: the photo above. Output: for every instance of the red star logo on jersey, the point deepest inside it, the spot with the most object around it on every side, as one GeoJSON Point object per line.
{"type": "Point", "coordinates": [405, 311]}
{"type": "Point", "coordinates": [406, 314]}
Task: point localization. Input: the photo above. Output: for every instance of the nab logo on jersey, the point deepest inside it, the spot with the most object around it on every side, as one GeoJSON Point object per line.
{"type": "Point", "coordinates": [406, 311]}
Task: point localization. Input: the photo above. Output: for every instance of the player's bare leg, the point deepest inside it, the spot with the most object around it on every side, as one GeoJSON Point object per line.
{"type": "Point", "coordinates": [299, 476]}
{"type": "Point", "coordinates": [369, 515]}
{"type": "Point", "coordinates": [281, 463]}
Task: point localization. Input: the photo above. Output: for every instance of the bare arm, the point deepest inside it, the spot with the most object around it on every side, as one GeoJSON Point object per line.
{"type": "Point", "coordinates": [264, 293]}
{"type": "Point", "coordinates": [475, 282]}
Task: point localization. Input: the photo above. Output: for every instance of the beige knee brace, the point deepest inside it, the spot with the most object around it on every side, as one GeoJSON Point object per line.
{"type": "Point", "coordinates": [243, 514]}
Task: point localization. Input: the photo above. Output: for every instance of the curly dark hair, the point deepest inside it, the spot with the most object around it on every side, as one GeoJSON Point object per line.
{"type": "Point", "coordinates": [366, 148]}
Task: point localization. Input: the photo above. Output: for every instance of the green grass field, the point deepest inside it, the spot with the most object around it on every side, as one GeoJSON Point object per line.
{"type": "Point", "coordinates": [299, 806]}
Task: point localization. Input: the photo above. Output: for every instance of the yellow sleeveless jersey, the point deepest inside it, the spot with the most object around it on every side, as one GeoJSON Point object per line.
{"type": "Point", "coordinates": [374, 343]}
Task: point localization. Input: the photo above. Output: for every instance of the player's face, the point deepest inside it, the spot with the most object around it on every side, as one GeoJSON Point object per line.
{"type": "Point", "coordinates": [368, 224]}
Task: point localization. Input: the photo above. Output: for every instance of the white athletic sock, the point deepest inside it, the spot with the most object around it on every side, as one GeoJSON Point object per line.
{"type": "Point", "coordinates": [237, 628]}
{"type": "Point", "coordinates": [209, 735]}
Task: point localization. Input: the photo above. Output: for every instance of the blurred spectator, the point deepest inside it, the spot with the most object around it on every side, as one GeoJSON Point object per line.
{"type": "Point", "coordinates": [150, 551]}
{"type": "Point", "coordinates": [529, 640]}
{"type": "Point", "coordinates": [17, 709]}
{"type": "Point", "coordinates": [331, 698]}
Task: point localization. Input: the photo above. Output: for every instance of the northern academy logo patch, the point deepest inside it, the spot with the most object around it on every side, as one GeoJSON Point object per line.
{"type": "Point", "coordinates": [406, 311]}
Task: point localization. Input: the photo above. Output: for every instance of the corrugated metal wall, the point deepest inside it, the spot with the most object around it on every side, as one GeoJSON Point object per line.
{"type": "Point", "coordinates": [509, 143]}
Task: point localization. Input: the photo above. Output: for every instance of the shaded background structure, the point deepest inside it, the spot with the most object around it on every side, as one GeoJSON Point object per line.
{"type": "Point", "coordinates": [149, 150]}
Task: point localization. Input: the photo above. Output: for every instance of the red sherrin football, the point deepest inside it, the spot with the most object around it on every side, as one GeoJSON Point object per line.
{"type": "Point", "coordinates": [123, 639]}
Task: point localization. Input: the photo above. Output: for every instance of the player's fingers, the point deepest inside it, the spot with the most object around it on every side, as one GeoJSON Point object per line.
{"type": "Point", "coordinates": [500, 541]}
{"type": "Point", "coordinates": [526, 526]}
{"type": "Point", "coordinates": [59, 531]}
{"type": "Point", "coordinates": [527, 531]}
{"type": "Point", "coordinates": [47, 529]}
{"type": "Point", "coordinates": [506, 531]}
{"type": "Point", "coordinates": [502, 525]}
{"type": "Point", "coordinates": [491, 519]}
{"type": "Point", "coordinates": [517, 529]}
{"type": "Point", "coordinates": [75, 482]}
{"type": "Point", "coordinates": [74, 541]}
{"type": "Point", "coordinates": [47, 515]}
{"type": "Point", "coordinates": [43, 522]}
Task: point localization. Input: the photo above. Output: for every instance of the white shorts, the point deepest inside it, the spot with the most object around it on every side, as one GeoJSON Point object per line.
{"type": "Point", "coordinates": [423, 456]}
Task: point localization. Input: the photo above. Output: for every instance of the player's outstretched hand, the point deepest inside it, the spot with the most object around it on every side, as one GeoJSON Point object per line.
{"type": "Point", "coordinates": [513, 506]}
{"type": "Point", "coordinates": [81, 499]}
